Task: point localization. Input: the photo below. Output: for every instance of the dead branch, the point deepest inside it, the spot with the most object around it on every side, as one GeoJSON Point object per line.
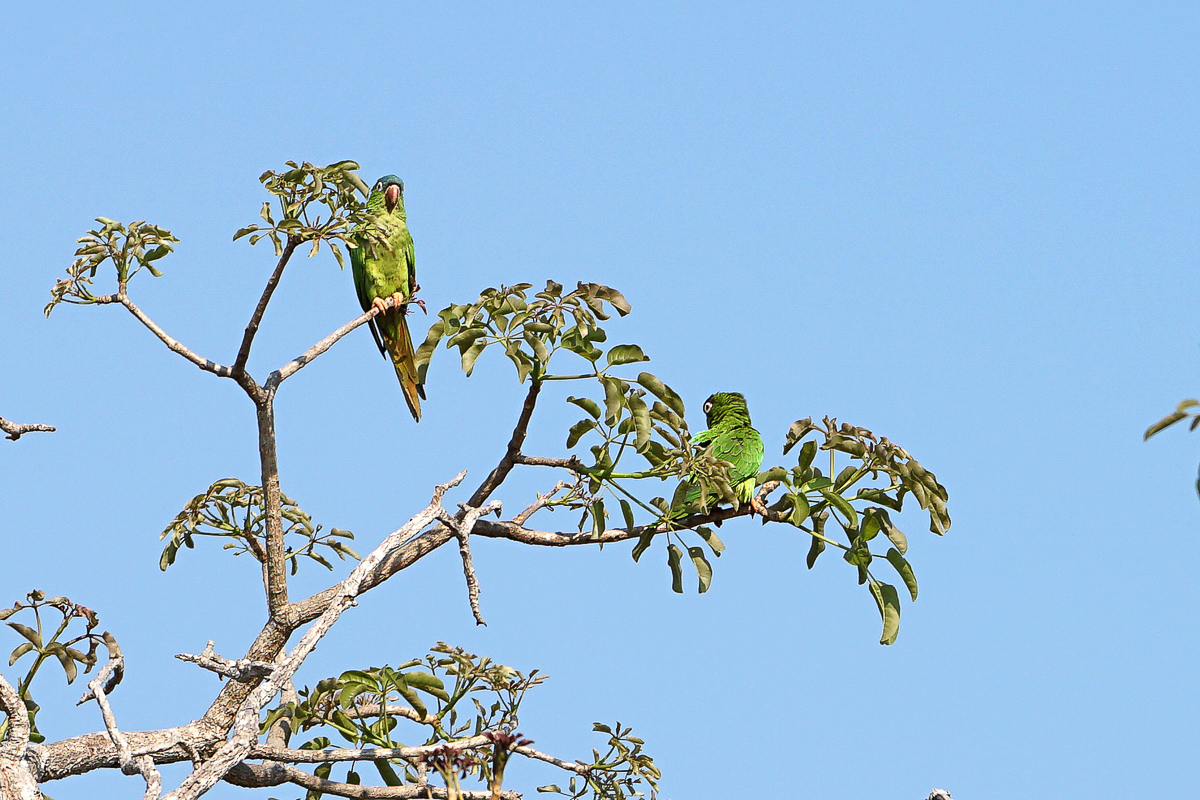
{"type": "Point", "coordinates": [244, 670]}
{"type": "Point", "coordinates": [16, 431]}
{"type": "Point", "coordinates": [130, 764]}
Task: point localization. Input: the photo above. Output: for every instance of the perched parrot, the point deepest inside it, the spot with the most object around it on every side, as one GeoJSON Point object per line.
{"type": "Point", "coordinates": [729, 438]}
{"type": "Point", "coordinates": [386, 268]}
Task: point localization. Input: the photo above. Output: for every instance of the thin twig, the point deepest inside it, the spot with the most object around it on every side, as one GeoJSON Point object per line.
{"type": "Point", "coordinates": [299, 362]}
{"type": "Point", "coordinates": [497, 475]}
{"type": "Point", "coordinates": [570, 766]}
{"type": "Point", "coordinates": [244, 670]}
{"type": "Point", "coordinates": [130, 764]}
{"type": "Point", "coordinates": [239, 364]}
{"type": "Point", "coordinates": [540, 503]}
{"type": "Point", "coordinates": [245, 728]}
{"type": "Point", "coordinates": [462, 530]}
{"type": "Point", "coordinates": [208, 365]}
{"type": "Point", "coordinates": [16, 431]}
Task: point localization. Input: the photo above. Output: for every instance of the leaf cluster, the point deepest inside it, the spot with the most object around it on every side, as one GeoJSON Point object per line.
{"type": "Point", "coordinates": [365, 707]}
{"type": "Point", "coordinates": [857, 499]}
{"type": "Point", "coordinates": [235, 510]}
{"type": "Point", "coordinates": [616, 775]}
{"type": "Point", "coordinates": [313, 204]}
{"type": "Point", "coordinates": [529, 330]}
{"type": "Point", "coordinates": [63, 645]}
{"type": "Point", "coordinates": [131, 248]}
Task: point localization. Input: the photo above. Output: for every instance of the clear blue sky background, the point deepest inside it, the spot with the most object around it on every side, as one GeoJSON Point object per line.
{"type": "Point", "coordinates": [974, 233]}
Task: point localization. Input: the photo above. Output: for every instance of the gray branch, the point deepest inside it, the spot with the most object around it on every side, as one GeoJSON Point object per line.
{"type": "Point", "coordinates": [130, 763]}
{"type": "Point", "coordinates": [243, 670]}
{"type": "Point", "coordinates": [16, 431]}
{"type": "Point", "coordinates": [462, 530]}
{"type": "Point", "coordinates": [16, 778]}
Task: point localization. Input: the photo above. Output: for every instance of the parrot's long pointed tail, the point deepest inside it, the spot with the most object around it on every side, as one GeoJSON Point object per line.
{"type": "Point", "coordinates": [404, 359]}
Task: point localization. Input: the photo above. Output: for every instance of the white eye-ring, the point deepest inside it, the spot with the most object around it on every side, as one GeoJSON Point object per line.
{"type": "Point", "coordinates": [707, 407]}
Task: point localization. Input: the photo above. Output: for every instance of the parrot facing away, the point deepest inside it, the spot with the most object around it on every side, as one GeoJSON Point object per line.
{"type": "Point", "coordinates": [384, 268]}
{"type": "Point", "coordinates": [729, 438]}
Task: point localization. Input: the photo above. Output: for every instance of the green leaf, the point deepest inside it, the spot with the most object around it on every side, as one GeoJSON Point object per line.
{"type": "Point", "coordinates": [587, 404]}
{"type": "Point", "coordinates": [470, 355]}
{"type": "Point", "coordinates": [428, 683]}
{"type": "Point", "coordinates": [889, 609]}
{"type": "Point", "coordinates": [1181, 412]}
{"type": "Point", "coordinates": [674, 561]}
{"type": "Point", "coordinates": [68, 663]}
{"type": "Point", "coordinates": [800, 508]}
{"type": "Point", "coordinates": [540, 351]}
{"type": "Point", "coordinates": [711, 539]}
{"type": "Point", "coordinates": [550, 788]}
{"type": "Point", "coordinates": [28, 632]}
{"type": "Point", "coordinates": [614, 400]}
{"type": "Point", "coordinates": [625, 354]}
{"type": "Point", "coordinates": [703, 568]}
{"type": "Point", "coordinates": [578, 430]}
{"type": "Point", "coordinates": [797, 431]}
{"type": "Point", "coordinates": [662, 392]}
{"type": "Point", "coordinates": [808, 451]}
{"type": "Point", "coordinates": [815, 549]}
{"type": "Point", "coordinates": [858, 554]}
{"type": "Point", "coordinates": [643, 544]}
{"type": "Point", "coordinates": [842, 505]}
{"type": "Point", "coordinates": [627, 512]}
{"type": "Point", "coordinates": [641, 421]}
{"type": "Point", "coordinates": [598, 518]}
{"type": "Point", "coordinates": [389, 776]}
{"type": "Point", "coordinates": [773, 474]}
{"type": "Point", "coordinates": [902, 566]}
{"type": "Point", "coordinates": [22, 649]}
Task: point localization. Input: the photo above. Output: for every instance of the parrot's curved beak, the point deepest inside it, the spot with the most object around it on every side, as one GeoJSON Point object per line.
{"type": "Point", "coordinates": [391, 196]}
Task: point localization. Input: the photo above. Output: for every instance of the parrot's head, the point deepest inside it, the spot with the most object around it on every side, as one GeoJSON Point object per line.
{"type": "Point", "coordinates": [726, 407]}
{"type": "Point", "coordinates": [392, 189]}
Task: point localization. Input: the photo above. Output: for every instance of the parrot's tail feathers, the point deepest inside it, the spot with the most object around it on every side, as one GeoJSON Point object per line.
{"type": "Point", "coordinates": [404, 359]}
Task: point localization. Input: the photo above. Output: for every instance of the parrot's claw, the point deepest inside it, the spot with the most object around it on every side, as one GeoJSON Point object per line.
{"type": "Point", "coordinates": [757, 507]}
{"type": "Point", "coordinates": [379, 304]}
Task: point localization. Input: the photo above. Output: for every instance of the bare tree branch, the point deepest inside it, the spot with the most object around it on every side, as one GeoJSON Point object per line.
{"type": "Point", "coordinates": [16, 778]}
{"type": "Point", "coordinates": [274, 774]}
{"type": "Point", "coordinates": [299, 362]}
{"type": "Point", "coordinates": [497, 475]}
{"type": "Point", "coordinates": [130, 764]}
{"type": "Point", "coordinates": [239, 364]}
{"type": "Point", "coordinates": [569, 766]}
{"type": "Point", "coordinates": [208, 365]}
{"type": "Point", "coordinates": [244, 670]}
{"type": "Point", "coordinates": [296, 756]}
{"type": "Point", "coordinates": [16, 431]}
{"type": "Point", "coordinates": [540, 503]}
{"type": "Point", "coordinates": [462, 530]}
{"type": "Point", "coordinates": [245, 728]}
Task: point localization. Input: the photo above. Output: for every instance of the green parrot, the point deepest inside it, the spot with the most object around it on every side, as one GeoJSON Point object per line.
{"type": "Point", "coordinates": [387, 268]}
{"type": "Point", "coordinates": [729, 438]}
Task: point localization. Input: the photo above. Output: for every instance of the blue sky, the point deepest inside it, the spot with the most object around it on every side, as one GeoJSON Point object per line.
{"type": "Point", "coordinates": [974, 233]}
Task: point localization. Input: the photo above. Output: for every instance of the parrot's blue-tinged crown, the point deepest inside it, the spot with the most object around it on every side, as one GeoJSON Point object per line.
{"type": "Point", "coordinates": [386, 181]}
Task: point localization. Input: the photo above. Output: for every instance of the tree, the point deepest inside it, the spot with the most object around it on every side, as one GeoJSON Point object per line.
{"type": "Point", "coordinates": [629, 418]}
